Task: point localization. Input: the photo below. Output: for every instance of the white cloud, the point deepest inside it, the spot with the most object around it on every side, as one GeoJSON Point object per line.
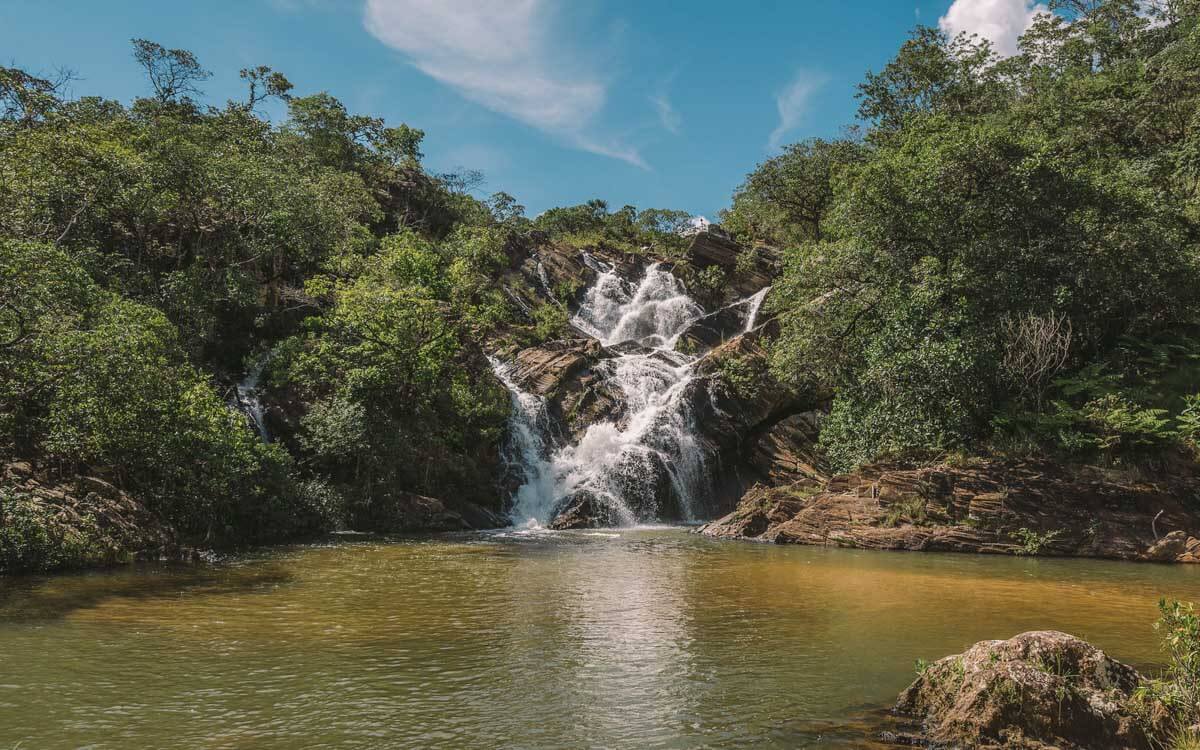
{"type": "Point", "coordinates": [999, 21]}
{"type": "Point", "coordinates": [792, 103]}
{"type": "Point", "coordinates": [667, 116]}
{"type": "Point", "coordinates": [499, 54]}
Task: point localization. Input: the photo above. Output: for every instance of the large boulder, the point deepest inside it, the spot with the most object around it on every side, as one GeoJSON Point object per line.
{"type": "Point", "coordinates": [547, 368]}
{"type": "Point", "coordinates": [760, 510]}
{"type": "Point", "coordinates": [541, 271]}
{"type": "Point", "coordinates": [786, 451]}
{"type": "Point", "coordinates": [717, 327]}
{"type": "Point", "coordinates": [1038, 691]}
{"type": "Point", "coordinates": [641, 478]}
{"type": "Point", "coordinates": [583, 510]}
{"type": "Point", "coordinates": [567, 374]}
{"type": "Point", "coordinates": [734, 401]}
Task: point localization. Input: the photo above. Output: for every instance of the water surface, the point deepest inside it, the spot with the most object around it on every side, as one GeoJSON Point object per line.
{"type": "Point", "coordinates": [627, 639]}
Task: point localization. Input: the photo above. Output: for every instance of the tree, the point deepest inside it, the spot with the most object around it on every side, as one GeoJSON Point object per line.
{"type": "Point", "coordinates": [264, 84]}
{"type": "Point", "coordinates": [174, 73]}
{"type": "Point", "coordinates": [785, 199]}
{"type": "Point", "coordinates": [932, 73]}
{"type": "Point", "coordinates": [26, 99]}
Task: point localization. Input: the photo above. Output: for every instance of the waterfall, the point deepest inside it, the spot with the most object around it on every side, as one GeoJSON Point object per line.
{"type": "Point", "coordinates": [249, 402]}
{"type": "Point", "coordinates": [651, 452]}
{"type": "Point", "coordinates": [755, 303]}
{"type": "Point", "coordinates": [526, 451]}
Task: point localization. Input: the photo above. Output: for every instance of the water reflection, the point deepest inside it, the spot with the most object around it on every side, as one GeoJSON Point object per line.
{"type": "Point", "coordinates": [646, 639]}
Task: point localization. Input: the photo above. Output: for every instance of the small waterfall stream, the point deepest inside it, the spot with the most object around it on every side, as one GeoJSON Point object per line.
{"type": "Point", "coordinates": [249, 402]}
{"type": "Point", "coordinates": [755, 303]}
{"type": "Point", "coordinates": [623, 465]}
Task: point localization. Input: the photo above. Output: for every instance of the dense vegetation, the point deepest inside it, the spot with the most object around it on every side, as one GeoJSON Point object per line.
{"type": "Point", "coordinates": [1007, 258]}
{"type": "Point", "coordinates": [151, 254]}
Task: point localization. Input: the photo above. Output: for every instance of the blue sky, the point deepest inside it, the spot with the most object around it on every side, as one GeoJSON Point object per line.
{"type": "Point", "coordinates": [660, 103]}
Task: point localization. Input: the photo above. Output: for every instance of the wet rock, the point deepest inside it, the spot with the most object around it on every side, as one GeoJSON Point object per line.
{"type": "Point", "coordinates": [543, 271]}
{"type": "Point", "coordinates": [583, 510]}
{"type": "Point", "coordinates": [1037, 691]}
{"type": "Point", "coordinates": [1023, 507]}
{"type": "Point", "coordinates": [546, 368]}
{"type": "Point", "coordinates": [715, 328]}
{"type": "Point", "coordinates": [735, 402]}
{"type": "Point", "coordinates": [406, 512]}
{"type": "Point", "coordinates": [643, 481]}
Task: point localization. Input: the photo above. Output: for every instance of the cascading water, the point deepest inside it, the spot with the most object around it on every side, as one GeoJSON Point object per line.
{"type": "Point", "coordinates": [621, 464]}
{"type": "Point", "coordinates": [650, 454]}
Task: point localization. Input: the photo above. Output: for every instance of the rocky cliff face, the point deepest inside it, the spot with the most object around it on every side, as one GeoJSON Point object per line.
{"type": "Point", "coordinates": [991, 507]}
{"type": "Point", "coordinates": [714, 248]}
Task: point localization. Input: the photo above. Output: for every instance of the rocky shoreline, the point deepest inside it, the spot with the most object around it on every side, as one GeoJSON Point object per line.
{"type": "Point", "coordinates": [1014, 508]}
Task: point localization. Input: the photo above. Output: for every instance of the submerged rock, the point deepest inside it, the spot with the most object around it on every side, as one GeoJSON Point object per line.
{"type": "Point", "coordinates": [1037, 691]}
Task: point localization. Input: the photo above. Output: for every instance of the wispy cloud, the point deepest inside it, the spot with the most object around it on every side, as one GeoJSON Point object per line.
{"type": "Point", "coordinates": [667, 116]}
{"type": "Point", "coordinates": [1002, 22]}
{"type": "Point", "coordinates": [500, 55]}
{"type": "Point", "coordinates": [793, 104]}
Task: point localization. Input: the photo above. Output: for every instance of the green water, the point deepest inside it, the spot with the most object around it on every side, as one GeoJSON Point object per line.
{"type": "Point", "coordinates": [634, 639]}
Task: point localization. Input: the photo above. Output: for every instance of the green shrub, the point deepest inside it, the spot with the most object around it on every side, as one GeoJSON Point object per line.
{"type": "Point", "coordinates": [744, 376]}
{"type": "Point", "coordinates": [1032, 542]}
{"type": "Point", "coordinates": [1189, 421]}
{"type": "Point", "coordinates": [551, 322]}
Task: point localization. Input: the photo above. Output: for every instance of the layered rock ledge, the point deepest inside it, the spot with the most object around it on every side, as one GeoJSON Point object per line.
{"type": "Point", "coordinates": [992, 507]}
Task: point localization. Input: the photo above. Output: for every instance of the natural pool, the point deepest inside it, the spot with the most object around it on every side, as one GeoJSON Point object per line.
{"type": "Point", "coordinates": [650, 638]}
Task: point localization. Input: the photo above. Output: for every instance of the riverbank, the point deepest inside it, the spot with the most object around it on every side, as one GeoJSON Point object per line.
{"type": "Point", "coordinates": [81, 522]}
{"type": "Point", "coordinates": [1012, 508]}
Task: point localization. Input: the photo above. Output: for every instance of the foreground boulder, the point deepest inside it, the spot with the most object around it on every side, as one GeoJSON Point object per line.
{"type": "Point", "coordinates": [1027, 508]}
{"type": "Point", "coordinates": [1037, 691]}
